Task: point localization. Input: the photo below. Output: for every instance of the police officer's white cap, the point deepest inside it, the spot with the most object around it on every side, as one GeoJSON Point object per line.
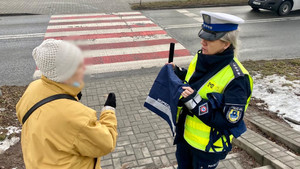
{"type": "Point", "coordinates": [216, 25]}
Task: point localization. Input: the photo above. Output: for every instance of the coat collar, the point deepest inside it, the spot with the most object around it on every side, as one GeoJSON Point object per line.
{"type": "Point", "coordinates": [61, 88]}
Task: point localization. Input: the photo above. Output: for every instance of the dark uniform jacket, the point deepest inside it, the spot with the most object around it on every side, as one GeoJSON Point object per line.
{"type": "Point", "coordinates": [236, 93]}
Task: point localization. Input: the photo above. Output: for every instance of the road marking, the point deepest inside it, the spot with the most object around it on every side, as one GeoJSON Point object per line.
{"type": "Point", "coordinates": [183, 26]}
{"type": "Point", "coordinates": [191, 15]}
{"type": "Point", "coordinates": [252, 21]}
{"type": "Point", "coordinates": [121, 66]}
{"type": "Point", "coordinates": [97, 19]}
{"type": "Point", "coordinates": [127, 44]}
{"type": "Point", "coordinates": [100, 24]}
{"type": "Point", "coordinates": [273, 19]}
{"type": "Point", "coordinates": [129, 50]}
{"type": "Point", "coordinates": [132, 65]}
{"type": "Point", "coordinates": [128, 24]}
{"type": "Point", "coordinates": [108, 35]}
{"type": "Point", "coordinates": [100, 27]}
{"type": "Point", "coordinates": [135, 56]}
{"type": "Point", "coordinates": [115, 42]}
{"type": "Point", "coordinates": [102, 31]}
{"type": "Point", "coordinates": [122, 39]}
{"type": "Point", "coordinates": [93, 14]}
{"type": "Point", "coordinates": [21, 36]}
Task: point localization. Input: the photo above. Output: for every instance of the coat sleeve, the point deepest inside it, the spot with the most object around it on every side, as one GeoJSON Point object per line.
{"type": "Point", "coordinates": [222, 111]}
{"type": "Point", "coordinates": [98, 137]}
{"type": "Point", "coordinates": [180, 72]}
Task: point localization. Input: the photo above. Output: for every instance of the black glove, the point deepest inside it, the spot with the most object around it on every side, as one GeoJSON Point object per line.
{"type": "Point", "coordinates": [111, 100]}
{"type": "Point", "coordinates": [79, 95]}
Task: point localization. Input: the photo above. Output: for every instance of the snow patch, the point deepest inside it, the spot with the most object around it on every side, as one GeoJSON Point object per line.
{"type": "Point", "coordinates": [7, 142]}
{"type": "Point", "coordinates": [282, 96]}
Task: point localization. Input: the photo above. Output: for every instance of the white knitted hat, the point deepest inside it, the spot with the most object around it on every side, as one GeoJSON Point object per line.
{"type": "Point", "coordinates": [57, 60]}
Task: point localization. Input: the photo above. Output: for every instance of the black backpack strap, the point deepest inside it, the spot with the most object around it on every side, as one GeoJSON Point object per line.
{"type": "Point", "coordinates": [44, 101]}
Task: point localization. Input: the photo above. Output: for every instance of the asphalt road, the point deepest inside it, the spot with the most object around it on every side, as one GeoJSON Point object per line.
{"type": "Point", "coordinates": [17, 64]}
{"type": "Point", "coordinates": [263, 36]}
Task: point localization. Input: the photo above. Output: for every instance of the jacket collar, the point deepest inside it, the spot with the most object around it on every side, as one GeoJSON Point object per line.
{"type": "Point", "coordinates": [208, 65]}
{"type": "Point", "coordinates": [61, 88]}
{"type": "Point", "coordinates": [208, 62]}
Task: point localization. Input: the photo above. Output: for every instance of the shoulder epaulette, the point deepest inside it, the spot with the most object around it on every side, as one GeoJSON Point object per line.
{"type": "Point", "coordinates": [237, 71]}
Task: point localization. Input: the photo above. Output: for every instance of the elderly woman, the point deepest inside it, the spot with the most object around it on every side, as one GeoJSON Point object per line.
{"type": "Point", "coordinates": [58, 131]}
{"type": "Point", "coordinates": [211, 110]}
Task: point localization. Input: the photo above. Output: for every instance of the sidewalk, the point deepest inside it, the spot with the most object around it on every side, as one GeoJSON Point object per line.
{"type": "Point", "coordinates": [145, 140]}
{"type": "Point", "coordinates": [50, 7]}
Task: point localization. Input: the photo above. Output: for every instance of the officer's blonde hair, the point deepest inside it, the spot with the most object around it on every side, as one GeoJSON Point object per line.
{"type": "Point", "coordinates": [233, 38]}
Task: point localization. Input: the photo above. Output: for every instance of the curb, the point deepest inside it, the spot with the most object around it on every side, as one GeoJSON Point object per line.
{"type": "Point", "coordinates": [264, 167]}
{"type": "Point", "coordinates": [278, 133]}
{"type": "Point", "coordinates": [17, 14]}
{"type": "Point", "coordinates": [230, 162]}
{"type": "Point", "coordinates": [134, 8]}
{"type": "Point", "coordinates": [265, 152]}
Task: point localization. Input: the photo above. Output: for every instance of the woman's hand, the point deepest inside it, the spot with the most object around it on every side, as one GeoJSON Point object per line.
{"type": "Point", "coordinates": [111, 100]}
{"type": "Point", "coordinates": [173, 65]}
{"type": "Point", "coordinates": [187, 91]}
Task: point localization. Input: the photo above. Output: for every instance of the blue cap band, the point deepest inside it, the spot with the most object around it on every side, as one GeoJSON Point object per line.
{"type": "Point", "coordinates": [220, 27]}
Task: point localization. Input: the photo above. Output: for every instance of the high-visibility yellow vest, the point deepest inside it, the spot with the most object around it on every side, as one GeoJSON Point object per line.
{"type": "Point", "coordinates": [196, 133]}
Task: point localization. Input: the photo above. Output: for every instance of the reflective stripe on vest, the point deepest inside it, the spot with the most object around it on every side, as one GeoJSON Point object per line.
{"type": "Point", "coordinates": [196, 133]}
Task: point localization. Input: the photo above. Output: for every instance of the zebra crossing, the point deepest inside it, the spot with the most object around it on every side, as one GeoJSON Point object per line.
{"type": "Point", "coordinates": [116, 41]}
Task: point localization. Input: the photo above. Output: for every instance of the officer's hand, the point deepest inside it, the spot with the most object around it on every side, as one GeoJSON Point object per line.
{"type": "Point", "coordinates": [187, 91]}
{"type": "Point", "coordinates": [111, 100]}
{"type": "Point", "coordinates": [171, 64]}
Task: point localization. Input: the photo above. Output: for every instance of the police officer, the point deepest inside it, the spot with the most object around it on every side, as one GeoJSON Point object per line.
{"type": "Point", "coordinates": [211, 110]}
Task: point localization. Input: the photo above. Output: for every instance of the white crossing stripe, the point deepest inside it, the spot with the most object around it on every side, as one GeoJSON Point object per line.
{"type": "Point", "coordinates": [99, 24]}
{"type": "Point", "coordinates": [101, 31]}
{"type": "Point", "coordinates": [122, 39]}
{"type": "Point", "coordinates": [129, 50]}
{"type": "Point", "coordinates": [94, 14]}
{"type": "Point", "coordinates": [96, 19]}
{"type": "Point", "coordinates": [133, 65]}
{"type": "Point", "coordinates": [121, 66]}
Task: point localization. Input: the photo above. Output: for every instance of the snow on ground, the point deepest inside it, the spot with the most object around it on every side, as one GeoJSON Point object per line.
{"type": "Point", "coordinates": [7, 142]}
{"type": "Point", "coordinates": [281, 95]}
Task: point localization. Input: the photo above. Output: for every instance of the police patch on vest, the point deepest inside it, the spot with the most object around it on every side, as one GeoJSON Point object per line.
{"type": "Point", "coordinates": [203, 109]}
{"type": "Point", "coordinates": [234, 114]}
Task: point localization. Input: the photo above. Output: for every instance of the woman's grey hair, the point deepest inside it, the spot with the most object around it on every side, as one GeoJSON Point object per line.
{"type": "Point", "coordinates": [233, 38]}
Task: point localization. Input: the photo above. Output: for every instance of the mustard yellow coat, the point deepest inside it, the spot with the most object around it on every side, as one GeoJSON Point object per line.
{"type": "Point", "coordinates": [63, 134]}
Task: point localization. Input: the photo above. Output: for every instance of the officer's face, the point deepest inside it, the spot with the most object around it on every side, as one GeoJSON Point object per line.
{"type": "Point", "coordinates": [213, 47]}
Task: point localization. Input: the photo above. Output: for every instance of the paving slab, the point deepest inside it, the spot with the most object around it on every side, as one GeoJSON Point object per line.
{"type": "Point", "coordinates": [231, 162]}
{"type": "Point", "coordinates": [265, 167]}
{"type": "Point", "coordinates": [267, 152]}
{"type": "Point", "coordinates": [145, 140]}
{"type": "Point", "coordinates": [277, 130]}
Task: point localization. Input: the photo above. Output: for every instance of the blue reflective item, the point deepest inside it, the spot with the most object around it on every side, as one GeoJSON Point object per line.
{"type": "Point", "coordinates": [164, 95]}
{"type": "Point", "coordinates": [220, 27]}
{"type": "Point", "coordinates": [216, 25]}
{"type": "Point", "coordinates": [76, 84]}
